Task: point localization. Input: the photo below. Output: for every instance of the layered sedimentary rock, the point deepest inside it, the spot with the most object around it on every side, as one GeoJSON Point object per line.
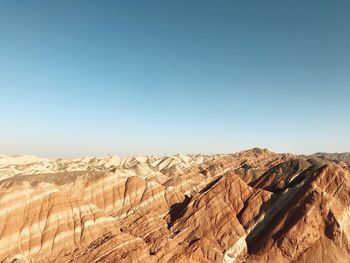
{"type": "Point", "coordinates": [252, 206]}
{"type": "Point", "coordinates": [342, 159]}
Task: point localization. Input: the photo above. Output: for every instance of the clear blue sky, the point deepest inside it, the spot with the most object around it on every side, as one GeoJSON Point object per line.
{"type": "Point", "coordinates": [162, 77]}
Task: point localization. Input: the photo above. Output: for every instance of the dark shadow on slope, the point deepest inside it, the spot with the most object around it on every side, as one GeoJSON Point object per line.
{"type": "Point", "coordinates": [278, 207]}
{"type": "Point", "coordinates": [210, 185]}
{"type": "Point", "coordinates": [177, 210]}
{"type": "Point", "coordinates": [276, 179]}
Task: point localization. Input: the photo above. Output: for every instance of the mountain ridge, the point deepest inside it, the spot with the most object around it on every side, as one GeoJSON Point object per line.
{"type": "Point", "coordinates": [250, 206]}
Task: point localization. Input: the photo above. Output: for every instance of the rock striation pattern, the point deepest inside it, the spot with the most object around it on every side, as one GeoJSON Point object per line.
{"type": "Point", "coordinates": [252, 206]}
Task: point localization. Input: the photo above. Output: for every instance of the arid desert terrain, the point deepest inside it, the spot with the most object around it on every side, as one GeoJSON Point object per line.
{"type": "Point", "coordinates": [251, 206]}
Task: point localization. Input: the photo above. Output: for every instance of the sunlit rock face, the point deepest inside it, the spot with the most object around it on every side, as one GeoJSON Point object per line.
{"type": "Point", "coordinates": [252, 206]}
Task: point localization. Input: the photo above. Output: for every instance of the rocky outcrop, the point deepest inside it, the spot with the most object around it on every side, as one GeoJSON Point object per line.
{"type": "Point", "coordinates": [253, 206]}
{"type": "Point", "coordinates": [342, 159]}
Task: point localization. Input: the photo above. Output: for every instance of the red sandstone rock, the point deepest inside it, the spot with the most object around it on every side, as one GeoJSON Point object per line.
{"type": "Point", "coordinates": [253, 206]}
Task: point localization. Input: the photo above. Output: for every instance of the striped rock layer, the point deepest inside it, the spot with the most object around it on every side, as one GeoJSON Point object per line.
{"type": "Point", "coordinates": [252, 206]}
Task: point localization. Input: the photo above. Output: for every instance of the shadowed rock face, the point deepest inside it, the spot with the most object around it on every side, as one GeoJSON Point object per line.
{"type": "Point", "coordinates": [342, 159]}
{"type": "Point", "coordinates": [281, 176]}
{"type": "Point", "coordinates": [252, 206]}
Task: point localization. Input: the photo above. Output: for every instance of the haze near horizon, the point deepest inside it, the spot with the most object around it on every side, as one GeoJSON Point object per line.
{"type": "Point", "coordinates": [159, 77]}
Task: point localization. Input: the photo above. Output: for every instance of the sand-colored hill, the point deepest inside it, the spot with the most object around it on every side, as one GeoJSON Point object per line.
{"type": "Point", "coordinates": [252, 206]}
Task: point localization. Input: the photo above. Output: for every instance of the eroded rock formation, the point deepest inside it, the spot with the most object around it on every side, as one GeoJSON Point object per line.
{"type": "Point", "coordinates": [252, 206]}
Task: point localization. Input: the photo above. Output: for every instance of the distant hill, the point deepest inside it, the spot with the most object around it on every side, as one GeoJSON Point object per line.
{"type": "Point", "coordinates": [342, 159]}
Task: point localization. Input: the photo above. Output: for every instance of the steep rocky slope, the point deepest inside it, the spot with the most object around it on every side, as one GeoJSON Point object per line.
{"type": "Point", "coordinates": [252, 206]}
